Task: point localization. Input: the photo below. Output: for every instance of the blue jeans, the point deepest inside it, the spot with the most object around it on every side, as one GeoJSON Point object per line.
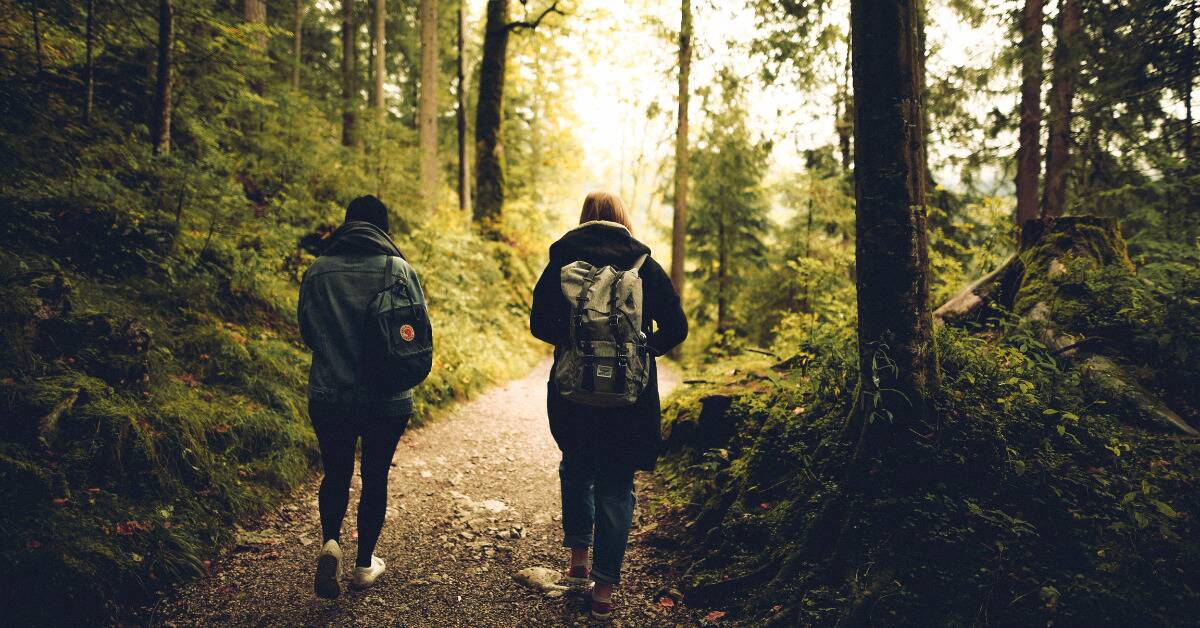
{"type": "Point", "coordinates": [597, 504]}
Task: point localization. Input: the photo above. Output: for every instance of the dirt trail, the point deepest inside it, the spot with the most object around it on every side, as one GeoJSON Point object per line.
{"type": "Point", "coordinates": [474, 498]}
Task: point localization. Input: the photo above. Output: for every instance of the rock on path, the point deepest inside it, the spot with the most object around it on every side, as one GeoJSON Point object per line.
{"type": "Point", "coordinates": [474, 499]}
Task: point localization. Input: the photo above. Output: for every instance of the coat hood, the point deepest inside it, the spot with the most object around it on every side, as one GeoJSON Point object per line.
{"type": "Point", "coordinates": [599, 243]}
{"type": "Point", "coordinates": [356, 237]}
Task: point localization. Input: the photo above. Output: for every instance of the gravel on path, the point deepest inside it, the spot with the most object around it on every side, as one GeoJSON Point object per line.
{"type": "Point", "coordinates": [474, 498]}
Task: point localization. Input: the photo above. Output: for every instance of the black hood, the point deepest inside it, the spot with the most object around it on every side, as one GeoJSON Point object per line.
{"type": "Point", "coordinates": [356, 237]}
{"type": "Point", "coordinates": [600, 243]}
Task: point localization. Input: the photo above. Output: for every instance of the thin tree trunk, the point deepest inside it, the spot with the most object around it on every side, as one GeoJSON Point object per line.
{"type": "Point", "coordinates": [489, 112]}
{"type": "Point", "coordinates": [89, 73]}
{"type": "Point", "coordinates": [161, 124]}
{"type": "Point", "coordinates": [379, 58]}
{"type": "Point", "coordinates": [460, 114]}
{"type": "Point", "coordinates": [722, 273]}
{"type": "Point", "coordinates": [898, 368]}
{"type": "Point", "coordinates": [1029, 149]}
{"type": "Point", "coordinates": [1062, 93]}
{"type": "Point", "coordinates": [845, 121]}
{"type": "Point", "coordinates": [1187, 91]}
{"type": "Point", "coordinates": [428, 105]}
{"type": "Point", "coordinates": [255, 12]}
{"type": "Point", "coordinates": [682, 158]}
{"type": "Point", "coordinates": [37, 38]}
{"type": "Point", "coordinates": [297, 36]}
{"type": "Point", "coordinates": [349, 85]}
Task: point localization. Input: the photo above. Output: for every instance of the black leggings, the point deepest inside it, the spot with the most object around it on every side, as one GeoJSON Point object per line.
{"type": "Point", "coordinates": [338, 432]}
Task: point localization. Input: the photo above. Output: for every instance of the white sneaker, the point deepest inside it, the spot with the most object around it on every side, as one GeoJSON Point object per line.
{"type": "Point", "coordinates": [365, 576]}
{"type": "Point", "coordinates": [329, 567]}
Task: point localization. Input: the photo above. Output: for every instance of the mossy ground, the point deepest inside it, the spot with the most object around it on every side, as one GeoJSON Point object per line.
{"type": "Point", "coordinates": [1035, 503]}
{"type": "Point", "coordinates": [177, 408]}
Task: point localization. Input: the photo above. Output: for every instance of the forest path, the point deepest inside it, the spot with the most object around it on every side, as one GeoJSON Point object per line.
{"type": "Point", "coordinates": [458, 485]}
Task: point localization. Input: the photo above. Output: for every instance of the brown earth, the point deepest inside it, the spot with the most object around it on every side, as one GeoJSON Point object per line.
{"type": "Point", "coordinates": [474, 498]}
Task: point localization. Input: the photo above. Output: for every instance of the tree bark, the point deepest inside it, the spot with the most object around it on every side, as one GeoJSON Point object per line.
{"type": "Point", "coordinates": [460, 114]}
{"type": "Point", "coordinates": [845, 114]}
{"type": "Point", "coordinates": [37, 38]}
{"type": "Point", "coordinates": [1029, 149]}
{"type": "Point", "coordinates": [255, 12]}
{"type": "Point", "coordinates": [1062, 93]}
{"type": "Point", "coordinates": [380, 48]}
{"type": "Point", "coordinates": [679, 217]}
{"type": "Point", "coordinates": [489, 112]}
{"type": "Point", "coordinates": [722, 278]}
{"type": "Point", "coordinates": [428, 105]}
{"type": "Point", "coordinates": [297, 37]}
{"type": "Point", "coordinates": [898, 368]}
{"type": "Point", "coordinates": [160, 125]}
{"type": "Point", "coordinates": [349, 85]}
{"type": "Point", "coordinates": [89, 72]}
{"type": "Point", "coordinates": [1189, 77]}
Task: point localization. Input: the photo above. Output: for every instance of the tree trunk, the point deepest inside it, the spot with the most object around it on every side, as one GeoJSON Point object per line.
{"type": "Point", "coordinates": [722, 275]}
{"type": "Point", "coordinates": [428, 105]}
{"type": "Point", "coordinates": [255, 12]}
{"type": "Point", "coordinates": [37, 38]}
{"type": "Point", "coordinates": [679, 218]}
{"type": "Point", "coordinates": [898, 368]}
{"type": "Point", "coordinates": [1189, 77]}
{"type": "Point", "coordinates": [460, 114]}
{"type": "Point", "coordinates": [160, 125]}
{"type": "Point", "coordinates": [296, 44]}
{"type": "Point", "coordinates": [349, 66]}
{"type": "Point", "coordinates": [1062, 93]}
{"type": "Point", "coordinates": [489, 112]}
{"type": "Point", "coordinates": [845, 114]}
{"type": "Point", "coordinates": [89, 72]}
{"type": "Point", "coordinates": [379, 57]}
{"type": "Point", "coordinates": [1029, 157]}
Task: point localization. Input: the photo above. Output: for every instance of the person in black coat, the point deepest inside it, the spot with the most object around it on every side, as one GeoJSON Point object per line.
{"type": "Point", "coordinates": [603, 447]}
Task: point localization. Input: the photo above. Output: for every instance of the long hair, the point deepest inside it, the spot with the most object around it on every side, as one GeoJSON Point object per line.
{"type": "Point", "coordinates": [605, 206]}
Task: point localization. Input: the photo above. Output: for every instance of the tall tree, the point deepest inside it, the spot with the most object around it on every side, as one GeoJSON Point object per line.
{"type": "Point", "coordinates": [1189, 79]}
{"type": "Point", "coordinates": [1029, 149]}
{"type": "Point", "coordinates": [35, 10]}
{"type": "Point", "coordinates": [89, 72]}
{"type": "Point", "coordinates": [255, 13]}
{"type": "Point", "coordinates": [349, 74]}
{"type": "Point", "coordinates": [428, 105]}
{"type": "Point", "coordinates": [377, 61]}
{"type": "Point", "coordinates": [728, 220]}
{"type": "Point", "coordinates": [845, 114]}
{"type": "Point", "coordinates": [160, 124]}
{"type": "Point", "coordinates": [679, 217]}
{"type": "Point", "coordinates": [1062, 94]}
{"type": "Point", "coordinates": [898, 368]}
{"type": "Point", "coordinates": [297, 37]}
{"type": "Point", "coordinates": [489, 110]}
{"type": "Point", "coordinates": [460, 115]}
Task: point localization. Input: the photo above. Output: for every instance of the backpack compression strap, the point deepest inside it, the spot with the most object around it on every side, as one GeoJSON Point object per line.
{"type": "Point", "coordinates": [582, 337]}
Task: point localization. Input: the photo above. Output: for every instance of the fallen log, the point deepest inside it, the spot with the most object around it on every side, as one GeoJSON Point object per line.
{"type": "Point", "coordinates": [1024, 285]}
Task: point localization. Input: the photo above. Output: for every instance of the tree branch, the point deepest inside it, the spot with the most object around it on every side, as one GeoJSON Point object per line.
{"type": "Point", "coordinates": [553, 8]}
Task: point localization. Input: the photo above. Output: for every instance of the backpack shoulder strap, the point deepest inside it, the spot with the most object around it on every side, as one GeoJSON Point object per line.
{"type": "Point", "coordinates": [641, 260]}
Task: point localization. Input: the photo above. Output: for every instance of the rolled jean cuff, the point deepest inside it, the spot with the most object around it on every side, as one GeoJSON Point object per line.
{"type": "Point", "coordinates": [601, 576]}
{"type": "Point", "coordinates": [577, 540]}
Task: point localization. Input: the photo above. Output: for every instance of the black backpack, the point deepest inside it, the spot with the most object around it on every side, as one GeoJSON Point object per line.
{"type": "Point", "coordinates": [397, 350]}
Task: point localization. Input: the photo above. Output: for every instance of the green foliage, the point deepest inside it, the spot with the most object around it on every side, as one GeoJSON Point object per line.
{"type": "Point", "coordinates": [1032, 503]}
{"type": "Point", "coordinates": [727, 221]}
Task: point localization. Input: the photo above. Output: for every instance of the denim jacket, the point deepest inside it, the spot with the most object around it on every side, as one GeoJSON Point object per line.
{"type": "Point", "coordinates": [333, 299]}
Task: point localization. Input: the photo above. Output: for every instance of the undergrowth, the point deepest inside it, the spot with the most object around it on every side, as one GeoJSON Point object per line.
{"type": "Point", "coordinates": [1036, 503]}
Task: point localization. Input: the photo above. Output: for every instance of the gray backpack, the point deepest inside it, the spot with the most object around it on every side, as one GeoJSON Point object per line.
{"type": "Point", "coordinates": [605, 361]}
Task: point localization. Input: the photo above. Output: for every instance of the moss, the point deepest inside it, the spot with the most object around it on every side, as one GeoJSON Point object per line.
{"type": "Point", "coordinates": [1034, 504]}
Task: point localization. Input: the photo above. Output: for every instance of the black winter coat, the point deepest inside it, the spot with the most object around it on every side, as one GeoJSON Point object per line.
{"type": "Point", "coordinates": [623, 436]}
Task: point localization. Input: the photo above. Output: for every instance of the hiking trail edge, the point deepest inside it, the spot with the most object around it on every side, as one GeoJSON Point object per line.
{"type": "Point", "coordinates": [473, 499]}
